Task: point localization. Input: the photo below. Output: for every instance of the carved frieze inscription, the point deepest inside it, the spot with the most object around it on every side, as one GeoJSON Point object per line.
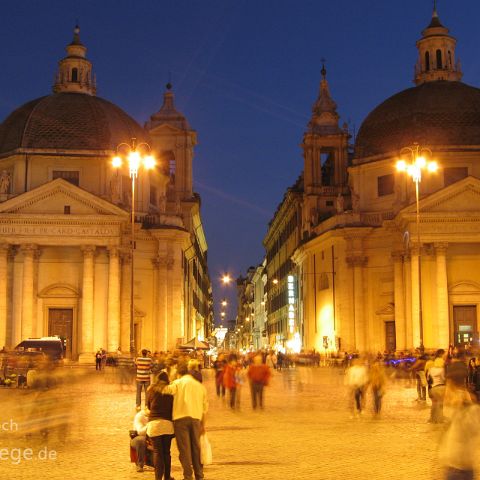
{"type": "Point", "coordinates": [59, 230]}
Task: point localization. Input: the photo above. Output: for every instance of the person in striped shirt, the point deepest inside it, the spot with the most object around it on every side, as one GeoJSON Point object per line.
{"type": "Point", "coordinates": [144, 370]}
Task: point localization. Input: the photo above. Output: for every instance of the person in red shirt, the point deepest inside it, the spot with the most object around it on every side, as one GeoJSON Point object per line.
{"type": "Point", "coordinates": [230, 378]}
{"type": "Point", "coordinates": [259, 375]}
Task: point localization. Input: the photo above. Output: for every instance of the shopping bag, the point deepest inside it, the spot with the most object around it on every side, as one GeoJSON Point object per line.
{"type": "Point", "coordinates": [205, 450]}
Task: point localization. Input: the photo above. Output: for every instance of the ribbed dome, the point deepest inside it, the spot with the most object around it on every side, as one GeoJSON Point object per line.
{"type": "Point", "coordinates": [433, 113]}
{"type": "Point", "coordinates": [68, 121]}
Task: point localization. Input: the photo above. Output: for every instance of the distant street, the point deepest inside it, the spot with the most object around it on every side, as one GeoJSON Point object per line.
{"type": "Point", "coordinates": [305, 432]}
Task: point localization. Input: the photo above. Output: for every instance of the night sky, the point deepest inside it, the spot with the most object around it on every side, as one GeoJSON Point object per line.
{"type": "Point", "coordinates": [245, 73]}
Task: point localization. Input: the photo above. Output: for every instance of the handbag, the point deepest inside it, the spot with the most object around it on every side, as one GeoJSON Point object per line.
{"type": "Point", "coordinates": [205, 450]}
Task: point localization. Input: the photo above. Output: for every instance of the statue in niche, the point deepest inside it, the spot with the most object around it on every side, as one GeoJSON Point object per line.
{"type": "Point", "coordinates": [5, 182]}
{"type": "Point", "coordinates": [340, 203]}
{"type": "Point", "coordinates": [178, 205]}
{"type": "Point", "coordinates": [355, 201]}
{"type": "Point", "coordinates": [313, 217]}
{"type": "Point", "coordinates": [399, 190]}
{"type": "Point", "coordinates": [162, 203]}
{"type": "Point", "coordinates": [114, 189]}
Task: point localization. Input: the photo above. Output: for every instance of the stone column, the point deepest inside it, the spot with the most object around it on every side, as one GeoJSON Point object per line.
{"type": "Point", "coordinates": [443, 325]}
{"type": "Point", "coordinates": [358, 262]}
{"type": "Point", "coordinates": [174, 327]}
{"type": "Point", "coordinates": [113, 319]}
{"type": "Point", "coordinates": [163, 317]}
{"type": "Point", "coordinates": [399, 298]}
{"type": "Point", "coordinates": [87, 347]}
{"type": "Point", "coordinates": [4, 250]}
{"type": "Point", "coordinates": [155, 313]}
{"type": "Point", "coordinates": [407, 277]}
{"type": "Point", "coordinates": [27, 290]}
{"type": "Point", "coordinates": [125, 303]}
{"type": "Point", "coordinates": [415, 300]}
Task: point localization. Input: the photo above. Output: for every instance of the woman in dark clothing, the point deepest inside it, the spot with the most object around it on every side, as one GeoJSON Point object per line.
{"type": "Point", "coordinates": [160, 426]}
{"type": "Point", "coordinates": [471, 373]}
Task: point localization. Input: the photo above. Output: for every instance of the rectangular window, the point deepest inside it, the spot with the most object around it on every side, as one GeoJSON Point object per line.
{"type": "Point", "coordinates": [385, 185]}
{"type": "Point", "coordinates": [329, 203]}
{"type": "Point", "coordinates": [71, 176]}
{"type": "Point", "coordinates": [454, 174]}
{"type": "Point", "coordinates": [66, 209]}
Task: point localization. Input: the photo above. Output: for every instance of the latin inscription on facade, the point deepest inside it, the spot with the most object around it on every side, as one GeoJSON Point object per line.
{"type": "Point", "coordinates": [59, 230]}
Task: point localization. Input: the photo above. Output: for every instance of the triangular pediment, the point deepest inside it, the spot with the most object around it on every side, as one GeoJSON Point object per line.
{"type": "Point", "coordinates": [52, 197]}
{"type": "Point", "coordinates": [461, 196]}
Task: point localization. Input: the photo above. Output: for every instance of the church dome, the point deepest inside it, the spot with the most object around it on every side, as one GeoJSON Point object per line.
{"type": "Point", "coordinates": [433, 113]}
{"type": "Point", "coordinates": [68, 121]}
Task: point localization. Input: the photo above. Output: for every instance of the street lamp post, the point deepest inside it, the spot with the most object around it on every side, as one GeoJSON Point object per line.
{"type": "Point", "coordinates": [413, 169]}
{"type": "Point", "coordinates": [136, 156]}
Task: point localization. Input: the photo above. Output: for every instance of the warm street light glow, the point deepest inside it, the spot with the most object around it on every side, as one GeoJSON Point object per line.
{"type": "Point", "coordinates": [132, 154]}
{"type": "Point", "coordinates": [149, 162]}
{"type": "Point", "coordinates": [275, 281]}
{"type": "Point", "coordinates": [224, 303]}
{"type": "Point", "coordinates": [413, 169]}
{"type": "Point", "coordinates": [116, 162]}
{"type": "Point", "coordinates": [226, 278]}
{"type": "Point", "coordinates": [222, 314]}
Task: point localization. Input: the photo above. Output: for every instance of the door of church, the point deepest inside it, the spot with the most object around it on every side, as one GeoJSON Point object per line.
{"type": "Point", "coordinates": [465, 324]}
{"type": "Point", "coordinates": [60, 321]}
{"type": "Point", "coordinates": [390, 337]}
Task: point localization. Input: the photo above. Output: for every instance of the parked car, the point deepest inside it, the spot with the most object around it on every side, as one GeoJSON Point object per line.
{"type": "Point", "coordinates": [53, 347]}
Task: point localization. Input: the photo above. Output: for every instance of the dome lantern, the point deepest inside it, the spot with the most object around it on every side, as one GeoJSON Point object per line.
{"type": "Point", "coordinates": [75, 71]}
{"type": "Point", "coordinates": [436, 54]}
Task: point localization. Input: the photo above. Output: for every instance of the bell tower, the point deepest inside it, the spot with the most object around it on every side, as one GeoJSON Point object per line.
{"type": "Point", "coordinates": [436, 54]}
{"type": "Point", "coordinates": [75, 71]}
{"type": "Point", "coordinates": [325, 153]}
{"type": "Point", "coordinates": [173, 139]}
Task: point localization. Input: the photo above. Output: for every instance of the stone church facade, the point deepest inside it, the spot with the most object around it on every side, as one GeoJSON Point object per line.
{"type": "Point", "coordinates": [65, 242]}
{"type": "Point", "coordinates": [363, 280]}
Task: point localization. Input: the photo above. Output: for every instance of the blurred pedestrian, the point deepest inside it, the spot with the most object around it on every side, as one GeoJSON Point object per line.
{"type": "Point", "coordinates": [139, 440]}
{"type": "Point", "coordinates": [377, 382]}
{"type": "Point", "coordinates": [471, 372]}
{"type": "Point", "coordinates": [160, 426]}
{"type": "Point", "coordinates": [418, 369]}
{"type": "Point", "coordinates": [356, 379]}
{"type": "Point", "coordinates": [436, 377]}
{"type": "Point", "coordinates": [459, 444]}
{"type": "Point", "coordinates": [194, 369]}
{"type": "Point", "coordinates": [219, 367]}
{"type": "Point", "coordinates": [190, 406]}
{"type": "Point", "coordinates": [98, 360]}
{"type": "Point", "coordinates": [144, 370]}
{"type": "Point", "coordinates": [258, 375]}
{"type": "Point", "coordinates": [231, 378]}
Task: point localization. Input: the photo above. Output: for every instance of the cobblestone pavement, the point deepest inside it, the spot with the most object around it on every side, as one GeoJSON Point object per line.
{"type": "Point", "coordinates": [304, 432]}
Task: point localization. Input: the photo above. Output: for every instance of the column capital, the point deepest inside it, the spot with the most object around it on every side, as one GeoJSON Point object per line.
{"type": "Point", "coordinates": [88, 250]}
{"type": "Point", "coordinates": [125, 256]}
{"type": "Point", "coordinates": [398, 255]}
{"type": "Point", "coordinates": [30, 250]}
{"type": "Point", "coordinates": [357, 260]}
{"type": "Point", "coordinates": [113, 251]}
{"type": "Point", "coordinates": [160, 261]}
{"type": "Point", "coordinates": [440, 248]}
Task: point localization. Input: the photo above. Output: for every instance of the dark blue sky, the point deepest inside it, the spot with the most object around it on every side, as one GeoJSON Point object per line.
{"type": "Point", "coordinates": [245, 73]}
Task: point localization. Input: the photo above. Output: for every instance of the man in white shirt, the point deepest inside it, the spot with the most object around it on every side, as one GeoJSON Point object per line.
{"type": "Point", "coordinates": [139, 443]}
{"type": "Point", "coordinates": [190, 406]}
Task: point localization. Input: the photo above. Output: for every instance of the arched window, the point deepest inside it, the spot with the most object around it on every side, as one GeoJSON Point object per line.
{"type": "Point", "coordinates": [439, 60]}
{"type": "Point", "coordinates": [427, 61]}
{"type": "Point", "coordinates": [74, 74]}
